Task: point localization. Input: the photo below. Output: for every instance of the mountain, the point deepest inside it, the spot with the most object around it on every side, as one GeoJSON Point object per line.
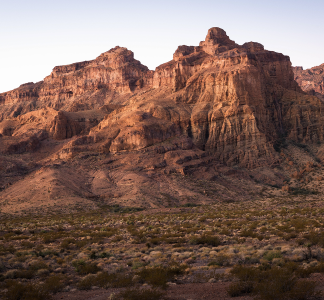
{"type": "Point", "coordinates": [219, 122]}
{"type": "Point", "coordinates": [311, 80]}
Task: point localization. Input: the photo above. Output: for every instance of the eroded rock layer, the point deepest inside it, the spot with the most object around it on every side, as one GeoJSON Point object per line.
{"type": "Point", "coordinates": [311, 80]}
{"type": "Point", "coordinates": [216, 104]}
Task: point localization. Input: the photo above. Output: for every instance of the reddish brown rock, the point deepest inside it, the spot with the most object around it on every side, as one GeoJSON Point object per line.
{"type": "Point", "coordinates": [285, 188]}
{"type": "Point", "coordinates": [63, 128]}
{"type": "Point", "coordinates": [235, 101]}
{"type": "Point", "coordinates": [311, 80]}
{"type": "Point", "coordinates": [126, 130]}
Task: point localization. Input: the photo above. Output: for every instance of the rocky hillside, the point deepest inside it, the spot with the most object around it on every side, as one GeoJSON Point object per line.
{"type": "Point", "coordinates": [311, 80]}
{"type": "Point", "coordinates": [112, 131]}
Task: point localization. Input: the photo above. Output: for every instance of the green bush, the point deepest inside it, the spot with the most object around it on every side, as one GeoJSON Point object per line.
{"type": "Point", "coordinates": [270, 255]}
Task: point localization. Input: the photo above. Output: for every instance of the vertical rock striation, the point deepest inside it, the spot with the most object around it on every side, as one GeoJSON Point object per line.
{"type": "Point", "coordinates": [311, 80]}
{"type": "Point", "coordinates": [234, 101]}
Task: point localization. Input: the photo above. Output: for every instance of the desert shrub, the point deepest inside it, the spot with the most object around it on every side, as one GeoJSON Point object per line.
{"type": "Point", "coordinates": [27, 244]}
{"type": "Point", "coordinates": [18, 238]}
{"type": "Point", "coordinates": [281, 284]}
{"type": "Point", "coordinates": [225, 231]}
{"type": "Point", "coordinates": [221, 260]}
{"type": "Point", "coordinates": [37, 265]}
{"type": "Point", "coordinates": [136, 233]}
{"type": "Point", "coordinates": [66, 243]}
{"type": "Point", "coordinates": [105, 280]}
{"type": "Point", "coordinates": [301, 191]}
{"type": "Point", "coordinates": [304, 290]}
{"type": "Point", "coordinates": [46, 252]}
{"type": "Point", "coordinates": [240, 288]}
{"type": "Point", "coordinates": [140, 294]}
{"type": "Point", "coordinates": [138, 264]}
{"type": "Point", "coordinates": [27, 274]}
{"type": "Point", "coordinates": [275, 283]}
{"type": "Point", "coordinates": [244, 273]}
{"type": "Point", "coordinates": [306, 272]}
{"type": "Point", "coordinates": [156, 276]}
{"type": "Point", "coordinates": [315, 238]}
{"type": "Point", "coordinates": [299, 223]}
{"type": "Point", "coordinates": [7, 249]}
{"type": "Point", "coordinates": [51, 237]}
{"type": "Point", "coordinates": [54, 284]}
{"type": "Point", "coordinates": [190, 205]}
{"type": "Point", "coordinates": [290, 236]}
{"type": "Point", "coordinates": [87, 282]}
{"type": "Point", "coordinates": [82, 243]}
{"type": "Point", "coordinates": [159, 276]}
{"type": "Point", "coordinates": [95, 255]}
{"type": "Point", "coordinates": [271, 284]}
{"type": "Point", "coordinates": [116, 280]}
{"type": "Point", "coordinates": [248, 233]}
{"type": "Point", "coordinates": [270, 255]}
{"type": "Point", "coordinates": [202, 219]}
{"type": "Point", "coordinates": [119, 209]}
{"type": "Point", "coordinates": [7, 236]}
{"type": "Point", "coordinates": [206, 239]}
{"type": "Point", "coordinates": [167, 239]}
{"type": "Point", "coordinates": [84, 268]}
{"type": "Point", "coordinates": [21, 291]}
{"type": "Point", "coordinates": [117, 238]}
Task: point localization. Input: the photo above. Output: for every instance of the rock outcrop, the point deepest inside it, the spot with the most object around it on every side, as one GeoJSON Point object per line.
{"type": "Point", "coordinates": [311, 80]}
{"type": "Point", "coordinates": [234, 101]}
{"type": "Point", "coordinates": [212, 107]}
{"type": "Point", "coordinates": [80, 86]}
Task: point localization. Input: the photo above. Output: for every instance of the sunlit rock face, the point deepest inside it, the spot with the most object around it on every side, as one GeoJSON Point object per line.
{"type": "Point", "coordinates": [311, 80]}
{"type": "Point", "coordinates": [232, 101]}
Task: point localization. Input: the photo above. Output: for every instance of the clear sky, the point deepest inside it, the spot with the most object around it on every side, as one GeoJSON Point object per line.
{"type": "Point", "coordinates": [36, 35]}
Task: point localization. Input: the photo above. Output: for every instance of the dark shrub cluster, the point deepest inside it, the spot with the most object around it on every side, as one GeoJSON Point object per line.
{"type": "Point", "coordinates": [206, 239]}
{"type": "Point", "coordinates": [271, 283]}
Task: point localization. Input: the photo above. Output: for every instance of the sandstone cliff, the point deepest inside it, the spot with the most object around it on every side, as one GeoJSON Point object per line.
{"type": "Point", "coordinates": [216, 106]}
{"type": "Point", "coordinates": [311, 80]}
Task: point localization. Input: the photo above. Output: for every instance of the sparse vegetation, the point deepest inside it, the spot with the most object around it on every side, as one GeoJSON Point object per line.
{"type": "Point", "coordinates": [126, 250]}
{"type": "Point", "coordinates": [271, 283]}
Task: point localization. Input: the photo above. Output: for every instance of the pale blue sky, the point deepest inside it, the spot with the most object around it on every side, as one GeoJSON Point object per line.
{"type": "Point", "coordinates": [37, 35]}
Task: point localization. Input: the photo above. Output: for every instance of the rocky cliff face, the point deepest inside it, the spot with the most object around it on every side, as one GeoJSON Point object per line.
{"type": "Point", "coordinates": [80, 86]}
{"type": "Point", "coordinates": [311, 80]}
{"type": "Point", "coordinates": [235, 101]}
{"type": "Point", "coordinates": [219, 102]}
